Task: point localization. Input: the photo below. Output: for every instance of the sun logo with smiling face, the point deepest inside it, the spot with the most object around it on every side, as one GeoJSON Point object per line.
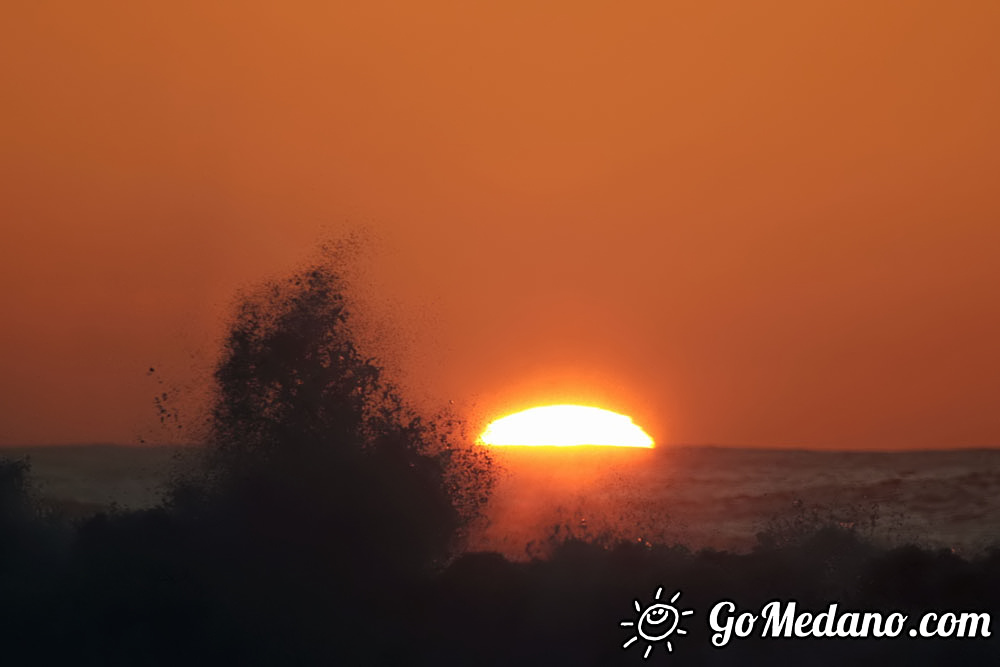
{"type": "Point", "coordinates": [656, 623]}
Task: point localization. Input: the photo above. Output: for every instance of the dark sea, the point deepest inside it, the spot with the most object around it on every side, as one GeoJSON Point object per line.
{"type": "Point", "coordinates": [265, 572]}
{"type": "Point", "coordinates": [701, 497]}
{"type": "Point", "coordinates": [732, 499]}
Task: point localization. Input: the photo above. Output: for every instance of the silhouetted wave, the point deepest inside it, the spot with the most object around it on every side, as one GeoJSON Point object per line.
{"type": "Point", "coordinates": [329, 524]}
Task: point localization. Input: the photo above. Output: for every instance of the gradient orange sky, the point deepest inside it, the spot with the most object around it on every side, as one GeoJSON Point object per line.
{"type": "Point", "coordinates": [747, 223]}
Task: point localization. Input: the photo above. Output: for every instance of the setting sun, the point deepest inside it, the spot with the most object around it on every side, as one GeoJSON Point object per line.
{"type": "Point", "coordinates": [565, 426]}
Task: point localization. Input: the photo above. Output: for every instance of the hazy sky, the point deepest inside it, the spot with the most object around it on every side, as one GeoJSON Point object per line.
{"type": "Point", "coordinates": [763, 223]}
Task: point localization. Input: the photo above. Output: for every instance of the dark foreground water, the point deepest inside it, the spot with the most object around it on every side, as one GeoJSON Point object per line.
{"type": "Point", "coordinates": [308, 563]}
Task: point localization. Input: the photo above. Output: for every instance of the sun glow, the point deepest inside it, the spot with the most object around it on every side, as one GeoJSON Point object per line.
{"type": "Point", "coordinates": [565, 426]}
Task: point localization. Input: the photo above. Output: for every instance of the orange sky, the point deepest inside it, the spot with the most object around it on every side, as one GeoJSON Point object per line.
{"type": "Point", "coordinates": [748, 223]}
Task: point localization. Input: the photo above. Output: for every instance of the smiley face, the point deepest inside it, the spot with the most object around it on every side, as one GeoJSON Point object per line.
{"type": "Point", "coordinates": [657, 622]}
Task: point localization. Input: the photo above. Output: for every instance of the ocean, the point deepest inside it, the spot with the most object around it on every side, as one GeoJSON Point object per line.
{"type": "Point", "coordinates": [297, 561]}
{"type": "Point", "coordinates": [732, 498]}
{"type": "Point", "coordinates": [701, 497]}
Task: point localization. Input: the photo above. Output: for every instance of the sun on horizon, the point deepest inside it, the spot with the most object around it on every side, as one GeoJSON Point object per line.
{"type": "Point", "coordinates": [565, 426]}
